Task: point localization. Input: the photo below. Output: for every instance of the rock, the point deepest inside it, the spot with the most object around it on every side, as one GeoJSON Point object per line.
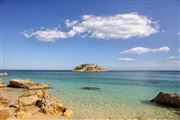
{"type": "Point", "coordinates": [50, 105]}
{"type": "Point", "coordinates": [68, 113]}
{"type": "Point", "coordinates": [4, 114]}
{"type": "Point", "coordinates": [89, 68]}
{"type": "Point", "coordinates": [90, 88]}
{"type": "Point", "coordinates": [23, 114]}
{"type": "Point", "coordinates": [4, 101]}
{"type": "Point", "coordinates": [30, 97]}
{"type": "Point", "coordinates": [3, 74]}
{"type": "Point", "coordinates": [39, 93]}
{"type": "Point", "coordinates": [171, 100]}
{"type": "Point", "coordinates": [29, 84]}
{"type": "Point", "coordinates": [26, 101]}
{"type": "Point", "coordinates": [3, 85]}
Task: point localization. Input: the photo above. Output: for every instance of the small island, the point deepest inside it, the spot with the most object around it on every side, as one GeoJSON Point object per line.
{"type": "Point", "coordinates": [89, 68]}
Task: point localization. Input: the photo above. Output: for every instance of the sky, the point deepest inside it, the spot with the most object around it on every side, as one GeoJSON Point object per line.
{"type": "Point", "coordinates": [116, 34]}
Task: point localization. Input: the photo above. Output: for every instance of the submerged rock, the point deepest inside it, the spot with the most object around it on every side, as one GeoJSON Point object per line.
{"type": "Point", "coordinates": [90, 88]}
{"type": "Point", "coordinates": [4, 114]}
{"type": "Point", "coordinates": [171, 100]}
{"type": "Point", "coordinates": [28, 84]}
{"type": "Point", "coordinates": [89, 68]}
{"type": "Point", "coordinates": [3, 74]}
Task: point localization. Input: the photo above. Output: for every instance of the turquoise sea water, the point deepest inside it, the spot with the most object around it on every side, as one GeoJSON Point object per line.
{"type": "Point", "coordinates": [122, 94]}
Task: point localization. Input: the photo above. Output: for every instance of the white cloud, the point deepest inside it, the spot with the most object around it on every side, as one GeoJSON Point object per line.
{"type": "Point", "coordinates": [141, 50]}
{"type": "Point", "coordinates": [49, 35]}
{"type": "Point", "coordinates": [120, 26]}
{"type": "Point", "coordinates": [126, 59]}
{"type": "Point", "coordinates": [70, 23]}
{"type": "Point", "coordinates": [178, 33]}
{"type": "Point", "coordinates": [172, 57]}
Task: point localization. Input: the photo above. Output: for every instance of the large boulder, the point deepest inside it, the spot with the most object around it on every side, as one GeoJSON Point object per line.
{"type": "Point", "coordinates": [89, 68]}
{"type": "Point", "coordinates": [50, 105]}
{"type": "Point", "coordinates": [171, 100]}
{"type": "Point", "coordinates": [4, 114]}
{"type": "Point", "coordinates": [26, 101]}
{"type": "Point", "coordinates": [28, 84]}
{"type": "Point", "coordinates": [3, 74]}
{"type": "Point", "coordinates": [30, 97]}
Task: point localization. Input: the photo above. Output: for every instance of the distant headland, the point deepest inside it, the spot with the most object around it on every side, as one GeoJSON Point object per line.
{"type": "Point", "coordinates": [89, 68]}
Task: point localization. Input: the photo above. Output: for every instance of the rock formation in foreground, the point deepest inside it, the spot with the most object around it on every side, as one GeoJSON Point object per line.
{"type": "Point", "coordinates": [3, 74]}
{"type": "Point", "coordinates": [43, 101]}
{"type": "Point", "coordinates": [28, 84]}
{"type": "Point", "coordinates": [89, 68]}
{"type": "Point", "coordinates": [171, 100]}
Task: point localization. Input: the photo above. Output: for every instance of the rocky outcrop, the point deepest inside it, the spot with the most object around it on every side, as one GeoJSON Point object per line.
{"type": "Point", "coordinates": [30, 98]}
{"type": "Point", "coordinates": [50, 105]}
{"type": "Point", "coordinates": [90, 88]}
{"type": "Point", "coordinates": [89, 68]}
{"type": "Point", "coordinates": [4, 114]}
{"type": "Point", "coordinates": [47, 103]}
{"type": "Point", "coordinates": [3, 74]}
{"type": "Point", "coordinates": [28, 84]}
{"type": "Point", "coordinates": [171, 100]}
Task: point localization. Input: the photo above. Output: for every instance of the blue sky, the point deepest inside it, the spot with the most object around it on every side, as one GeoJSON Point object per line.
{"type": "Point", "coordinates": [119, 35]}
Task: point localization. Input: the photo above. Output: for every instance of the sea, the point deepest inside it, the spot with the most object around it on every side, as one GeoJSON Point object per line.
{"type": "Point", "coordinates": [122, 95]}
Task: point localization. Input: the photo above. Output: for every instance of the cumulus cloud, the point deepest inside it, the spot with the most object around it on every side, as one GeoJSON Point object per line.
{"type": "Point", "coordinates": [49, 35]}
{"type": "Point", "coordinates": [141, 50]}
{"type": "Point", "coordinates": [119, 26]}
{"type": "Point", "coordinates": [126, 59]}
{"type": "Point", "coordinates": [69, 23]}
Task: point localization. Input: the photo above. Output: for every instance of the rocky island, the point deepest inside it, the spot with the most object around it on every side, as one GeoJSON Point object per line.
{"type": "Point", "coordinates": [89, 68]}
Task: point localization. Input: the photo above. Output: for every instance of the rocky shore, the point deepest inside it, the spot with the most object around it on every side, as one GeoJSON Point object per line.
{"type": "Point", "coordinates": [3, 74]}
{"type": "Point", "coordinates": [167, 99]}
{"type": "Point", "coordinates": [89, 68]}
{"type": "Point", "coordinates": [25, 99]}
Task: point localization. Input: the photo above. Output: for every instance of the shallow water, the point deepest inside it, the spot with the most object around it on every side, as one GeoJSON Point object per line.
{"type": "Point", "coordinates": [122, 94]}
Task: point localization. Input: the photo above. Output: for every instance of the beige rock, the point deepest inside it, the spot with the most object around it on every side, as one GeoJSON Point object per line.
{"type": "Point", "coordinates": [29, 84]}
{"type": "Point", "coordinates": [4, 114]}
{"type": "Point", "coordinates": [23, 114]}
{"type": "Point", "coordinates": [50, 105]}
{"type": "Point", "coordinates": [26, 101]}
{"type": "Point", "coordinates": [39, 93]}
{"type": "Point", "coordinates": [68, 113]}
{"type": "Point", "coordinates": [4, 101]}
